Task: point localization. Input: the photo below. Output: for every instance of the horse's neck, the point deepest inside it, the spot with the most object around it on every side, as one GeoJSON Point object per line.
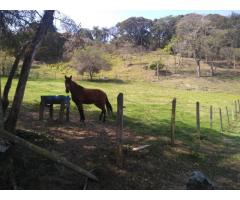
{"type": "Point", "coordinates": [75, 88]}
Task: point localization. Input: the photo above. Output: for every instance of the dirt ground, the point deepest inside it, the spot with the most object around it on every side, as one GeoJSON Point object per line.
{"type": "Point", "coordinates": [92, 147]}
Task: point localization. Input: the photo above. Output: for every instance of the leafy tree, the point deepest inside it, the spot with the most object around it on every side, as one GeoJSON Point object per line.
{"type": "Point", "coordinates": [11, 23]}
{"type": "Point", "coordinates": [218, 21]}
{"type": "Point", "coordinates": [162, 31]}
{"type": "Point", "coordinates": [52, 48]}
{"type": "Point", "coordinates": [46, 22]}
{"type": "Point", "coordinates": [136, 30]}
{"type": "Point", "coordinates": [191, 31]}
{"type": "Point", "coordinates": [90, 60]}
{"type": "Point", "coordinates": [100, 35]}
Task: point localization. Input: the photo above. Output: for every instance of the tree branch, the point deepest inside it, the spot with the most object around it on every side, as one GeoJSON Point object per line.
{"type": "Point", "coordinates": [45, 153]}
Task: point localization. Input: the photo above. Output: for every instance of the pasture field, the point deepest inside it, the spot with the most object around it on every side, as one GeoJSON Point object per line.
{"type": "Point", "coordinates": [148, 105]}
{"type": "Point", "coordinates": [147, 116]}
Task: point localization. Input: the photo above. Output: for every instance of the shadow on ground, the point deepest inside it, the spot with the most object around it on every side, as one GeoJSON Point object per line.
{"type": "Point", "coordinates": [160, 166]}
{"type": "Point", "coordinates": [107, 80]}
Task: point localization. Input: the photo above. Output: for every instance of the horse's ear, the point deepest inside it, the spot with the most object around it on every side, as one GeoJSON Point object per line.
{"type": "Point", "coordinates": [70, 77]}
{"type": "Point", "coordinates": [65, 77]}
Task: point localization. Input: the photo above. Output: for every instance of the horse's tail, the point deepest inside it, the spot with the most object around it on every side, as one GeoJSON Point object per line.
{"type": "Point", "coordinates": [109, 106]}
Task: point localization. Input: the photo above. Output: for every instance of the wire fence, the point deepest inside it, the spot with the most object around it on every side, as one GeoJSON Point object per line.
{"type": "Point", "coordinates": [195, 119]}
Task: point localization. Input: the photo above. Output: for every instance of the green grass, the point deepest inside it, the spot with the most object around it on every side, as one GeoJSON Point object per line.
{"type": "Point", "coordinates": [148, 105]}
{"type": "Point", "coordinates": [147, 111]}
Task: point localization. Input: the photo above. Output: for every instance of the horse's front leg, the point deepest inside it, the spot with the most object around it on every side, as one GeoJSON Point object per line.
{"type": "Point", "coordinates": [81, 112]}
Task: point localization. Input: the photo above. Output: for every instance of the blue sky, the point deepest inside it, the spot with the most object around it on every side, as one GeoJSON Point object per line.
{"type": "Point", "coordinates": [110, 18]}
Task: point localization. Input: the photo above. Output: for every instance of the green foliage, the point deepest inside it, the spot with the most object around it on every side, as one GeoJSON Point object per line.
{"type": "Point", "coordinates": [12, 22]}
{"type": "Point", "coordinates": [90, 60]}
{"type": "Point", "coordinates": [153, 66]}
{"type": "Point", "coordinates": [51, 49]}
{"type": "Point", "coordinates": [168, 49]}
{"type": "Point", "coordinates": [162, 31]}
{"type": "Point", "coordinates": [59, 67]}
{"type": "Point", "coordinates": [6, 62]}
{"type": "Point", "coordinates": [136, 30]}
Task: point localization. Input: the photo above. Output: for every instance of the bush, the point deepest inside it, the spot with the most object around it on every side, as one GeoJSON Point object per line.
{"type": "Point", "coordinates": [6, 62]}
{"type": "Point", "coordinates": [90, 60]}
{"type": "Point", "coordinates": [153, 66]}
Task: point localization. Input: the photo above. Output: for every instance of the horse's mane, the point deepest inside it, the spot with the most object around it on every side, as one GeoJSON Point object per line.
{"type": "Point", "coordinates": [76, 85]}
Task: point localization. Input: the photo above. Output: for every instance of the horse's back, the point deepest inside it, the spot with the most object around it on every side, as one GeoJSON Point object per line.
{"type": "Point", "coordinates": [94, 96]}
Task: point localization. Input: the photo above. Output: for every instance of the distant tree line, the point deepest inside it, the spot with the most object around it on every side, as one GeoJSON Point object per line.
{"type": "Point", "coordinates": [202, 37]}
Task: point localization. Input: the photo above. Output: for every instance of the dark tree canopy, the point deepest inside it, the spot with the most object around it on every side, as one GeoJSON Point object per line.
{"type": "Point", "coordinates": [11, 23]}
{"type": "Point", "coordinates": [136, 30]}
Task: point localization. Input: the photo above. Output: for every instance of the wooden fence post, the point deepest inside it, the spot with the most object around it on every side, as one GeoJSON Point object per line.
{"type": "Point", "coordinates": [220, 114]}
{"type": "Point", "coordinates": [173, 121]}
{"type": "Point", "coordinates": [119, 153]}
{"type": "Point", "coordinates": [158, 71]}
{"type": "Point", "coordinates": [233, 114]}
{"type": "Point", "coordinates": [211, 116]}
{"type": "Point", "coordinates": [227, 116]}
{"type": "Point", "coordinates": [238, 106]}
{"type": "Point", "coordinates": [198, 118]}
{"type": "Point", "coordinates": [235, 110]}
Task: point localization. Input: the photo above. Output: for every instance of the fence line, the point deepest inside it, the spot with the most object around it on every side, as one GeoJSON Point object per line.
{"type": "Point", "coordinates": [212, 111]}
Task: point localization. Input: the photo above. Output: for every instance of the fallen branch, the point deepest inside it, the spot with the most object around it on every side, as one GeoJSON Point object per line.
{"type": "Point", "coordinates": [47, 154]}
{"type": "Point", "coordinates": [86, 181]}
{"type": "Point", "coordinates": [140, 147]}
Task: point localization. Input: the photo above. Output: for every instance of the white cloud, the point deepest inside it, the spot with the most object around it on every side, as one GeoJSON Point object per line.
{"type": "Point", "coordinates": [93, 5]}
{"type": "Point", "coordinates": [89, 19]}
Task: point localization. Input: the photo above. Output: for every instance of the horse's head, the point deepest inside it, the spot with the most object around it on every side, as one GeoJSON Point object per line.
{"type": "Point", "coordinates": [68, 81]}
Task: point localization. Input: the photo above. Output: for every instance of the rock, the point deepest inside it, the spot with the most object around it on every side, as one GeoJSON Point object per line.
{"type": "Point", "coordinates": [4, 146]}
{"type": "Point", "coordinates": [198, 181]}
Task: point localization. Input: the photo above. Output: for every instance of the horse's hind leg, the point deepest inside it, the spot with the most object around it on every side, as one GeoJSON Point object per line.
{"type": "Point", "coordinates": [100, 116]}
{"type": "Point", "coordinates": [103, 113]}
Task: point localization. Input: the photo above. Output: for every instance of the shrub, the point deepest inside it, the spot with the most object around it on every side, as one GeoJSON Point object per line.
{"type": "Point", "coordinates": [153, 66]}
{"type": "Point", "coordinates": [90, 60]}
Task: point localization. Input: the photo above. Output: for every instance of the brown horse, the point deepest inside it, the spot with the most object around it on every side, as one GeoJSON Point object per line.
{"type": "Point", "coordinates": [81, 95]}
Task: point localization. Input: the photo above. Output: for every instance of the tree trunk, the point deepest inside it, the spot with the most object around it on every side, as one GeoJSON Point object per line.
{"type": "Point", "coordinates": [4, 64]}
{"type": "Point", "coordinates": [175, 63]}
{"type": "Point", "coordinates": [198, 68]}
{"type": "Point", "coordinates": [0, 87]}
{"type": "Point", "coordinates": [91, 75]}
{"type": "Point", "coordinates": [212, 69]}
{"type": "Point", "coordinates": [5, 101]}
{"type": "Point", "coordinates": [46, 21]}
{"type": "Point", "coordinates": [234, 61]}
{"type": "Point", "coordinates": [1, 113]}
{"type": "Point", "coordinates": [45, 153]}
{"type": "Point", "coordinates": [206, 58]}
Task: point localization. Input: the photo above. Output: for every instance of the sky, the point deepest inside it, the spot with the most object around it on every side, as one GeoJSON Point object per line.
{"type": "Point", "coordinates": [110, 18]}
{"type": "Point", "coordinates": [106, 13]}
